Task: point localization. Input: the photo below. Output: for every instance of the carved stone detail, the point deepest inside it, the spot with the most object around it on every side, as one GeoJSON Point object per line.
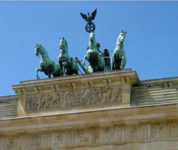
{"type": "Point", "coordinates": [11, 143]}
{"type": "Point", "coordinates": [106, 135]}
{"type": "Point", "coordinates": [157, 131]}
{"type": "Point", "coordinates": [58, 140]}
{"type": "Point", "coordinates": [34, 141]}
{"type": "Point", "coordinates": [71, 99]}
{"type": "Point", "coordinates": [92, 136]}
{"type": "Point", "coordinates": [81, 138]}
{"type": "Point", "coordinates": [132, 133]}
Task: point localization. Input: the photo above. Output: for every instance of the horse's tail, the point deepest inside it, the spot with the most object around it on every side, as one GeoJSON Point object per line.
{"type": "Point", "coordinates": [113, 61]}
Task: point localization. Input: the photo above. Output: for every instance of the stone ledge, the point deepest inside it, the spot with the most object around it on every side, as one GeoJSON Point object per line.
{"type": "Point", "coordinates": [76, 82]}
{"type": "Point", "coordinates": [95, 118]}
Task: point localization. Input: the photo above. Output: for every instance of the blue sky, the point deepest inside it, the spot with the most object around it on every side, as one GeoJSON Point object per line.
{"type": "Point", "coordinates": [151, 44]}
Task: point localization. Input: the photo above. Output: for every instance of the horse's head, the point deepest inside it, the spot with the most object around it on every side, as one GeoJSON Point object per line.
{"type": "Point", "coordinates": [122, 36]}
{"type": "Point", "coordinates": [37, 49]}
{"type": "Point", "coordinates": [63, 43]}
{"type": "Point", "coordinates": [92, 41]}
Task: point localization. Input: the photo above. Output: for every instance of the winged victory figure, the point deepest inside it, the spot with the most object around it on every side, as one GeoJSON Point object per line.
{"type": "Point", "coordinates": [89, 18]}
{"type": "Point", "coordinates": [90, 26]}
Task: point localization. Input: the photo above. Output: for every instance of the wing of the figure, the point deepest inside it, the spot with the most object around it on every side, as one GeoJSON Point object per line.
{"type": "Point", "coordinates": [93, 14]}
{"type": "Point", "coordinates": [84, 16]}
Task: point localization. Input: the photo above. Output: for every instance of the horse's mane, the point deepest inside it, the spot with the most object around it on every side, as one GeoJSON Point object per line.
{"type": "Point", "coordinates": [42, 48]}
{"type": "Point", "coordinates": [66, 44]}
{"type": "Point", "coordinates": [119, 44]}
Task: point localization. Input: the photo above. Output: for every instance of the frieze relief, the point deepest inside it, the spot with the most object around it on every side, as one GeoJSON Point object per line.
{"type": "Point", "coordinates": [132, 133]}
{"type": "Point", "coordinates": [82, 138]}
{"type": "Point", "coordinates": [73, 98]}
{"type": "Point", "coordinates": [58, 140]}
{"type": "Point", "coordinates": [90, 137]}
{"type": "Point", "coordinates": [34, 141]}
{"type": "Point", "coordinates": [11, 143]}
{"type": "Point", "coordinates": [158, 131]}
{"type": "Point", "coordinates": [107, 135]}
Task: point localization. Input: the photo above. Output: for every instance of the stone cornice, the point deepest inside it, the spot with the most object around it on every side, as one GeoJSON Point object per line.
{"type": "Point", "coordinates": [76, 82]}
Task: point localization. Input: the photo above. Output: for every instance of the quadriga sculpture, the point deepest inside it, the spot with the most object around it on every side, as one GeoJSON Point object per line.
{"type": "Point", "coordinates": [46, 64]}
{"type": "Point", "coordinates": [118, 57]}
{"type": "Point", "coordinates": [95, 59]}
{"type": "Point", "coordinates": [68, 64]}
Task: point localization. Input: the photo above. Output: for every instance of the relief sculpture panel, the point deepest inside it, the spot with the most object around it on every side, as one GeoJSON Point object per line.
{"type": "Point", "coordinates": [58, 140]}
{"type": "Point", "coordinates": [82, 138]}
{"type": "Point", "coordinates": [73, 98]}
{"type": "Point", "coordinates": [11, 143]}
{"type": "Point", "coordinates": [34, 141]}
{"type": "Point", "coordinates": [158, 131]}
{"type": "Point", "coordinates": [107, 135]}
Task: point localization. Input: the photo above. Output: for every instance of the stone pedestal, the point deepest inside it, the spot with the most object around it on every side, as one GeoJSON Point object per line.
{"type": "Point", "coordinates": [75, 93]}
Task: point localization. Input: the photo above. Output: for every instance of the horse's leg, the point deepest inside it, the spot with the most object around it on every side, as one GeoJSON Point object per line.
{"type": "Point", "coordinates": [90, 69]}
{"type": "Point", "coordinates": [123, 62]}
{"type": "Point", "coordinates": [61, 66]}
{"type": "Point", "coordinates": [76, 69]}
{"type": "Point", "coordinates": [102, 63]}
{"type": "Point", "coordinates": [85, 58]}
{"type": "Point", "coordinates": [64, 71]}
{"type": "Point", "coordinates": [38, 69]}
{"type": "Point", "coordinates": [113, 62]}
{"type": "Point", "coordinates": [74, 66]}
{"type": "Point", "coordinates": [116, 62]}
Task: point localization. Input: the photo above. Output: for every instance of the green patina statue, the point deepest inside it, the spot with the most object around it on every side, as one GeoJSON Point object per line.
{"type": "Point", "coordinates": [46, 64]}
{"type": "Point", "coordinates": [106, 57]}
{"type": "Point", "coordinates": [118, 57]}
{"type": "Point", "coordinates": [107, 60]}
{"type": "Point", "coordinates": [98, 61]}
{"type": "Point", "coordinates": [95, 59]}
{"type": "Point", "coordinates": [68, 64]}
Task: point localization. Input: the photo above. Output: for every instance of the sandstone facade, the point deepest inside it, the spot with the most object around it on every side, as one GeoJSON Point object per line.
{"type": "Point", "coordinates": [100, 111]}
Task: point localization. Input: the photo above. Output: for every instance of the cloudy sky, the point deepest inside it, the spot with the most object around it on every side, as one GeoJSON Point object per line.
{"type": "Point", "coordinates": [151, 44]}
